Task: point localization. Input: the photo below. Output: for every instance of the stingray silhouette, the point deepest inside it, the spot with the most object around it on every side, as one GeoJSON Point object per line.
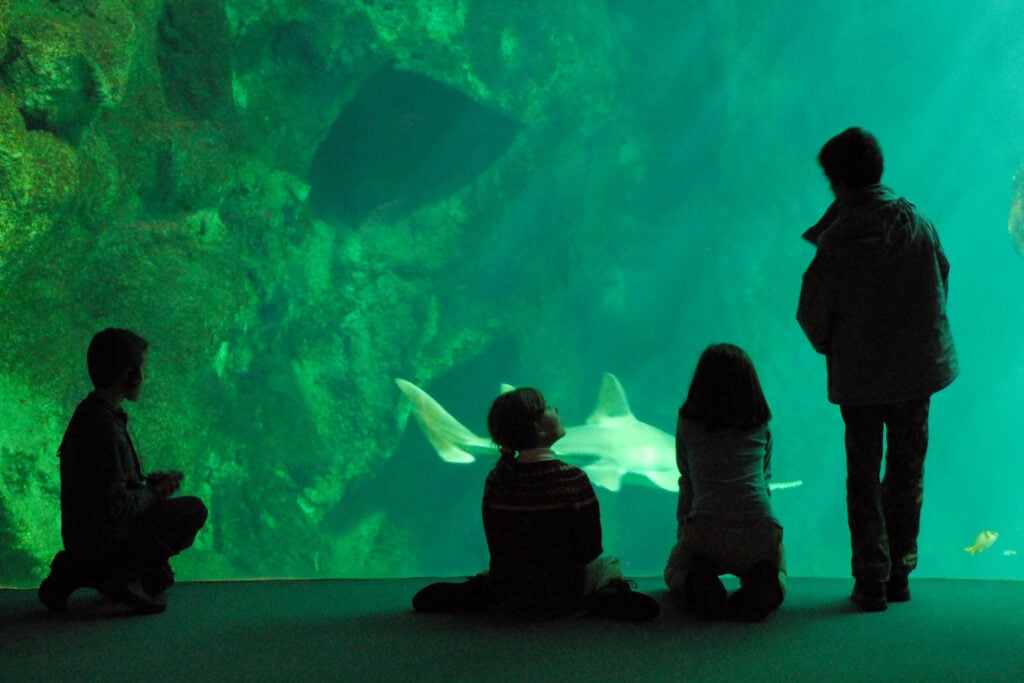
{"type": "Point", "coordinates": [404, 141]}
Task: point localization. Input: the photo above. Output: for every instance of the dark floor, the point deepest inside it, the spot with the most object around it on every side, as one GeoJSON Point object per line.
{"type": "Point", "coordinates": [366, 631]}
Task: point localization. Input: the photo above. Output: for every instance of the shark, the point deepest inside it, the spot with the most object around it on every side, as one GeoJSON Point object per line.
{"type": "Point", "coordinates": [612, 446]}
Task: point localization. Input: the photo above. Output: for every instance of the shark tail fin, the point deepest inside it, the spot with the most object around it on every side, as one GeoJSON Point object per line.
{"type": "Point", "coordinates": [449, 437]}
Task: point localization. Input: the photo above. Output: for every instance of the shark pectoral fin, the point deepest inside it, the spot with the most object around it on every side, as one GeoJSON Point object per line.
{"type": "Point", "coordinates": [605, 475]}
{"type": "Point", "coordinates": [786, 484]}
{"type": "Point", "coordinates": [449, 437]}
{"type": "Point", "coordinates": [664, 480]}
{"type": "Point", "coordinates": [453, 454]}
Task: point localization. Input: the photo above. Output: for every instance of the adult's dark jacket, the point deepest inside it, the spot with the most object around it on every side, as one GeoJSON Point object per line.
{"type": "Point", "coordinates": [874, 301]}
{"type": "Point", "coordinates": [102, 489]}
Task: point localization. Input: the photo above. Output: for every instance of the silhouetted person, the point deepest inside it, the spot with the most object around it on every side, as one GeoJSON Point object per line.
{"type": "Point", "coordinates": [119, 527]}
{"type": "Point", "coordinates": [543, 528]}
{"type": "Point", "coordinates": [726, 522]}
{"type": "Point", "coordinates": [874, 302]}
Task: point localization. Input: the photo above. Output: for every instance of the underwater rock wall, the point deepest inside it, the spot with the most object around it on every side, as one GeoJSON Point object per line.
{"type": "Point", "coordinates": [155, 158]}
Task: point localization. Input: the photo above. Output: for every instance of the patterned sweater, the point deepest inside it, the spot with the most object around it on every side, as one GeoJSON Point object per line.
{"type": "Point", "coordinates": [543, 526]}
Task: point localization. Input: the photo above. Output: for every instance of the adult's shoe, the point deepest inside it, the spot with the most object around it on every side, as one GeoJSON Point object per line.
{"type": "Point", "coordinates": [869, 595]}
{"type": "Point", "coordinates": [898, 589]}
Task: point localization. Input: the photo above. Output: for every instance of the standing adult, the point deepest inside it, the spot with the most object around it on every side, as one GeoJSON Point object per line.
{"type": "Point", "coordinates": [873, 302]}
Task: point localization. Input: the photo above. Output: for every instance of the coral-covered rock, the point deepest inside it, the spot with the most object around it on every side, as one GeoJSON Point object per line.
{"type": "Point", "coordinates": [5, 25]}
{"type": "Point", "coordinates": [194, 53]}
{"type": "Point", "coordinates": [154, 174]}
{"type": "Point", "coordinates": [64, 64]}
{"type": "Point", "coordinates": [38, 185]}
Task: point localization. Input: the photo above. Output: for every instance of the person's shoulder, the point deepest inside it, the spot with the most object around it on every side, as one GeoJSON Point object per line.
{"type": "Point", "coordinates": [837, 233]}
{"type": "Point", "coordinates": [87, 406]}
{"type": "Point", "coordinates": [93, 405]}
{"type": "Point", "coordinates": [915, 223]}
{"type": "Point", "coordinates": [91, 423]}
{"type": "Point", "coordinates": [919, 216]}
{"type": "Point", "coordinates": [494, 476]}
{"type": "Point", "coordinates": [564, 467]}
{"type": "Point", "coordinates": [574, 478]}
{"type": "Point", "coordinates": [725, 431]}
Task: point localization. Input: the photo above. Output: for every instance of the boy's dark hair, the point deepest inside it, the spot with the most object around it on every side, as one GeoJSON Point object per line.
{"type": "Point", "coordinates": [513, 417]}
{"type": "Point", "coordinates": [111, 353]}
{"type": "Point", "coordinates": [725, 392]}
{"type": "Point", "coordinates": [852, 159]}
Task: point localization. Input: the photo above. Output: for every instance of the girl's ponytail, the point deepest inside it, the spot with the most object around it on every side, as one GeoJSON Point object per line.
{"type": "Point", "coordinates": [507, 460]}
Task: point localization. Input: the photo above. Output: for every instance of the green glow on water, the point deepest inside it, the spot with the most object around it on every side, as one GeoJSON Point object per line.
{"type": "Point", "coordinates": [647, 201]}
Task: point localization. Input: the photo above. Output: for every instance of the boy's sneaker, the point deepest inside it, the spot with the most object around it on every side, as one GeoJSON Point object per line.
{"type": "Point", "coordinates": [869, 595]}
{"type": "Point", "coordinates": [63, 580]}
{"type": "Point", "coordinates": [898, 589]}
{"type": "Point", "coordinates": [157, 581]}
{"type": "Point", "coordinates": [617, 600]}
{"type": "Point", "coordinates": [54, 594]}
{"type": "Point", "coordinates": [132, 594]}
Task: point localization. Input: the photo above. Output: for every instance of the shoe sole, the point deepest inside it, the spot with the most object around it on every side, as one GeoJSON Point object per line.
{"type": "Point", "coordinates": [135, 601]}
{"type": "Point", "coordinates": [869, 604]}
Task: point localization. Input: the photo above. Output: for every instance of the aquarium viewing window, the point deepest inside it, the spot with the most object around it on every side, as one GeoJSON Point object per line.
{"type": "Point", "coordinates": [325, 216]}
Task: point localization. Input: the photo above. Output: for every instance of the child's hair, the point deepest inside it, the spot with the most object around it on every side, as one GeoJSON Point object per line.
{"type": "Point", "coordinates": [112, 352]}
{"type": "Point", "coordinates": [725, 392]}
{"type": "Point", "coordinates": [512, 420]}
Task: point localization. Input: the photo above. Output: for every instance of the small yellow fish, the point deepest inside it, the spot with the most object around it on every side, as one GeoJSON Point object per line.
{"type": "Point", "coordinates": [984, 540]}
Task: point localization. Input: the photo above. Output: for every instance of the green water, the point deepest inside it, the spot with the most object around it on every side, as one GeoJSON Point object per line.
{"type": "Point", "coordinates": [622, 186]}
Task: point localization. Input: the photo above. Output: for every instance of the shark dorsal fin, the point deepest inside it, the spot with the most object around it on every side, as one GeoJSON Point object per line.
{"type": "Point", "coordinates": [505, 388]}
{"type": "Point", "coordinates": [611, 401]}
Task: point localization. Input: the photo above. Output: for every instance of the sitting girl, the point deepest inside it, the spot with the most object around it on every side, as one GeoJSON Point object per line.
{"type": "Point", "coordinates": [543, 529]}
{"type": "Point", "coordinates": [726, 524]}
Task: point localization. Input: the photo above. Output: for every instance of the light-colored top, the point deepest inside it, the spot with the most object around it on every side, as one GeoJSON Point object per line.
{"type": "Point", "coordinates": [723, 474]}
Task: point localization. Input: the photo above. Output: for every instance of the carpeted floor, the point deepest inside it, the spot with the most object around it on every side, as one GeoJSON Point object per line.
{"type": "Point", "coordinates": [366, 631]}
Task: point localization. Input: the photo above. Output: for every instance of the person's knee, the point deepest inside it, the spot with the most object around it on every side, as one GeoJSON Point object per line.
{"type": "Point", "coordinates": [675, 578]}
{"type": "Point", "coordinates": [202, 512]}
{"type": "Point", "coordinates": [194, 511]}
